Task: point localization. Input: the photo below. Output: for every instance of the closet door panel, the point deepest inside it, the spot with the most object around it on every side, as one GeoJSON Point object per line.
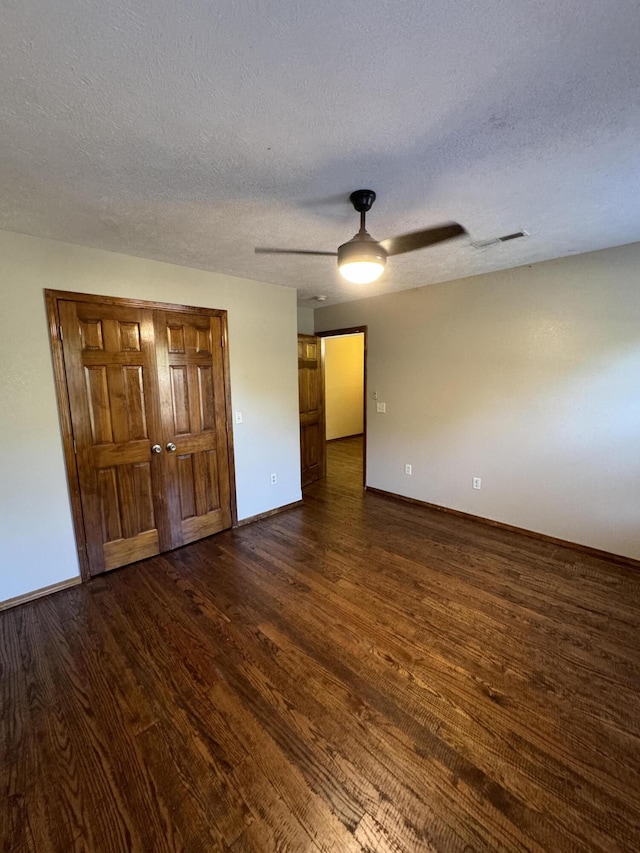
{"type": "Point", "coordinates": [189, 350]}
{"type": "Point", "coordinates": [111, 380]}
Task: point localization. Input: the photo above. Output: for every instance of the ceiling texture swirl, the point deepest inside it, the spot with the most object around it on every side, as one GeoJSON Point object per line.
{"type": "Point", "coordinates": [193, 131]}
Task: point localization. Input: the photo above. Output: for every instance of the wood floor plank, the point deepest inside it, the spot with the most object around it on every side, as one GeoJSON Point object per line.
{"type": "Point", "coordinates": [293, 687]}
{"type": "Point", "coordinates": [354, 674]}
{"type": "Point", "coordinates": [481, 690]}
{"type": "Point", "coordinates": [288, 781]}
{"type": "Point", "coordinates": [91, 771]}
{"type": "Point", "coordinates": [23, 708]}
{"type": "Point", "coordinates": [196, 742]}
{"type": "Point", "coordinates": [189, 812]}
{"type": "Point", "coordinates": [275, 826]}
{"type": "Point", "coordinates": [447, 759]}
{"type": "Point", "coordinates": [123, 715]}
{"type": "Point", "coordinates": [393, 676]}
{"type": "Point", "coordinates": [263, 599]}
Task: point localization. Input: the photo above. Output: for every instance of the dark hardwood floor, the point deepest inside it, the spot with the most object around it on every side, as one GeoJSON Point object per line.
{"type": "Point", "coordinates": [353, 674]}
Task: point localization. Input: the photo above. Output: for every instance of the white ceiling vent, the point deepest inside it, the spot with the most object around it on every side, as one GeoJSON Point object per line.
{"type": "Point", "coordinates": [493, 241]}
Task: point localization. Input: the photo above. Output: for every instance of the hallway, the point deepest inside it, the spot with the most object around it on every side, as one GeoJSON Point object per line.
{"type": "Point", "coordinates": [353, 674]}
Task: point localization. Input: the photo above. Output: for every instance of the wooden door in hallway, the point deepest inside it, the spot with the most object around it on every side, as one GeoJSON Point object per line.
{"type": "Point", "coordinates": [147, 402]}
{"type": "Point", "coordinates": [311, 396]}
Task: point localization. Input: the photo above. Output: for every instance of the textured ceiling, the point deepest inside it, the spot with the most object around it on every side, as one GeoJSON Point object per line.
{"type": "Point", "coordinates": [193, 131]}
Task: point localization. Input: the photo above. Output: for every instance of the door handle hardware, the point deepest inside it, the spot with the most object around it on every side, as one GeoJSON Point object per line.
{"type": "Point", "coordinates": [156, 448]}
{"type": "Point", "coordinates": [171, 447]}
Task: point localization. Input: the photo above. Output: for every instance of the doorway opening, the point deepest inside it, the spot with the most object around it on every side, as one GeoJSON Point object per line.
{"type": "Point", "coordinates": [343, 359]}
{"type": "Point", "coordinates": [344, 363]}
{"type": "Point", "coordinates": [333, 422]}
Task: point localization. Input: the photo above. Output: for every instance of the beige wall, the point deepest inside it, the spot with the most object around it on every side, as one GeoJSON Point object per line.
{"type": "Point", "coordinates": [305, 321]}
{"type": "Point", "coordinates": [37, 546]}
{"type": "Point", "coordinates": [344, 385]}
{"type": "Point", "coordinates": [528, 378]}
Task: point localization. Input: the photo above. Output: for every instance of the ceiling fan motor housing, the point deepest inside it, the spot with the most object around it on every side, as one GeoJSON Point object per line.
{"type": "Point", "coordinates": [362, 247]}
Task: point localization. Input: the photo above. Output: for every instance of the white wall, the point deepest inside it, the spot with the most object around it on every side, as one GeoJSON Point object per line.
{"type": "Point", "coordinates": [343, 385]}
{"type": "Point", "coordinates": [37, 546]}
{"type": "Point", "coordinates": [528, 378]}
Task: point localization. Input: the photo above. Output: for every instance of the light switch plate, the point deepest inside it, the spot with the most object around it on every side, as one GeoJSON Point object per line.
{"type": "Point", "coordinates": [381, 408]}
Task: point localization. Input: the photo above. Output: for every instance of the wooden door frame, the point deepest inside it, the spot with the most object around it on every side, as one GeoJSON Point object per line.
{"type": "Point", "coordinates": [353, 330]}
{"type": "Point", "coordinates": [52, 297]}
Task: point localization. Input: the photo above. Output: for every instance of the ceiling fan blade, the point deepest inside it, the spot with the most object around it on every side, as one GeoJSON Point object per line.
{"type": "Point", "coordinates": [421, 239]}
{"type": "Point", "coordinates": [261, 251]}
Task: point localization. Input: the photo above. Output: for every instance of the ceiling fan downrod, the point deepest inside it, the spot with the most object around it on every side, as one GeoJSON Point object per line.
{"type": "Point", "coordinates": [362, 201]}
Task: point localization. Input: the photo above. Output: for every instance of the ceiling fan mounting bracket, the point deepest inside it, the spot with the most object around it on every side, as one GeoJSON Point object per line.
{"type": "Point", "coordinates": [362, 200]}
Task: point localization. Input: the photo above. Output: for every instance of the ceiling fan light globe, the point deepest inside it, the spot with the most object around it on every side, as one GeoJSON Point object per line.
{"type": "Point", "coordinates": [361, 260]}
{"type": "Point", "coordinates": [361, 272]}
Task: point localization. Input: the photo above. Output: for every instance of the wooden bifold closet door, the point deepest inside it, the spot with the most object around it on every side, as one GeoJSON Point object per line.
{"type": "Point", "coordinates": [147, 401]}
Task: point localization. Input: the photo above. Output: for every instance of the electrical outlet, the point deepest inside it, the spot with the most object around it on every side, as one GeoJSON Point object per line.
{"type": "Point", "coordinates": [381, 408]}
{"type": "Point", "coordinates": [477, 483]}
{"type": "Point", "coordinates": [238, 417]}
{"type": "Point", "coordinates": [274, 479]}
{"type": "Point", "coordinates": [407, 470]}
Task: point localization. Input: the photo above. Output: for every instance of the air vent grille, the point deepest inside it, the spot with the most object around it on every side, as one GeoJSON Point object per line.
{"type": "Point", "coordinates": [493, 241]}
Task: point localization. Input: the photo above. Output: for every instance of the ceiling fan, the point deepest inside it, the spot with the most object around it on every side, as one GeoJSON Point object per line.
{"type": "Point", "coordinates": [362, 260]}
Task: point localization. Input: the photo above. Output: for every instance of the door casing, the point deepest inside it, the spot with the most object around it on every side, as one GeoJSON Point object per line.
{"type": "Point", "coordinates": [64, 411]}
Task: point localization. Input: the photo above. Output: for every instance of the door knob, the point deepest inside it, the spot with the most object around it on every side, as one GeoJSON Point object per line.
{"type": "Point", "coordinates": [156, 449]}
{"type": "Point", "coordinates": [171, 447]}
